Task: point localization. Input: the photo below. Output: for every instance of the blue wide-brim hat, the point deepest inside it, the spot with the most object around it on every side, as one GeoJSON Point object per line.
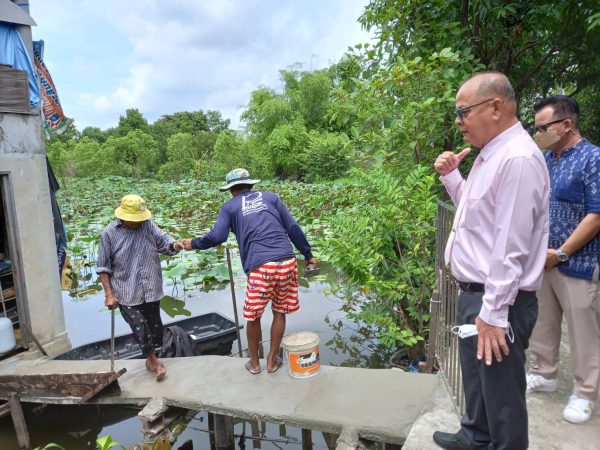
{"type": "Point", "coordinates": [237, 176]}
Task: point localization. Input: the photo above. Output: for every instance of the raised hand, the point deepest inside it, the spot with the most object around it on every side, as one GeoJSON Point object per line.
{"type": "Point", "coordinates": [449, 161]}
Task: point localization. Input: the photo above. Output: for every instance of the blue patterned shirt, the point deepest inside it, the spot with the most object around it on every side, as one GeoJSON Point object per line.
{"type": "Point", "coordinates": [575, 184]}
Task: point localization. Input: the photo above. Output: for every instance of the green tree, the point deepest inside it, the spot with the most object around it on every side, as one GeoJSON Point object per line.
{"type": "Point", "coordinates": [132, 120]}
{"type": "Point", "coordinates": [384, 243]}
{"type": "Point", "coordinates": [325, 159]}
{"type": "Point", "coordinates": [137, 152]}
{"type": "Point", "coordinates": [538, 44]}
{"type": "Point", "coordinates": [265, 111]}
{"type": "Point", "coordinates": [403, 115]}
{"type": "Point", "coordinates": [287, 146]}
{"type": "Point", "coordinates": [185, 151]}
{"type": "Point", "coordinates": [308, 95]}
{"type": "Point", "coordinates": [191, 122]}
{"type": "Point", "coordinates": [95, 134]}
{"type": "Point", "coordinates": [62, 160]}
{"type": "Point", "coordinates": [215, 122]}
{"type": "Point", "coordinates": [94, 159]}
{"type": "Point", "coordinates": [234, 150]}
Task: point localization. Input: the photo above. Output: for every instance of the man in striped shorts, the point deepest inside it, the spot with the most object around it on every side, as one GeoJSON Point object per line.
{"type": "Point", "coordinates": [263, 227]}
{"type": "Point", "coordinates": [129, 269]}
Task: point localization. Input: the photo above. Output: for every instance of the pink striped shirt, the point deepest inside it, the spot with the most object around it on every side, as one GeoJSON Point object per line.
{"type": "Point", "coordinates": [501, 231]}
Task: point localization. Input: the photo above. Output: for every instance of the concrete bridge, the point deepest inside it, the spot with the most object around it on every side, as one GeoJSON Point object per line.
{"type": "Point", "coordinates": [377, 404]}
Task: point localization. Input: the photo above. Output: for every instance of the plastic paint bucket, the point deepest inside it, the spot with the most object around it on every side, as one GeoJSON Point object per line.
{"type": "Point", "coordinates": [302, 350]}
{"type": "Point", "coordinates": [7, 335]}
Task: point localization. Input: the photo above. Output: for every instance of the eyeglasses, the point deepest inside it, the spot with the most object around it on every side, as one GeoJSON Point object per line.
{"type": "Point", "coordinates": [460, 112]}
{"type": "Point", "coordinates": [543, 128]}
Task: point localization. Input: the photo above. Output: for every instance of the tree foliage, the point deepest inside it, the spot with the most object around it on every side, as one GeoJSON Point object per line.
{"type": "Point", "coordinates": [385, 244]}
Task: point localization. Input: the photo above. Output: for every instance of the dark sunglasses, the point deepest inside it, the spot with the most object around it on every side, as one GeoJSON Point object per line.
{"type": "Point", "coordinates": [460, 112]}
{"type": "Point", "coordinates": [543, 128]}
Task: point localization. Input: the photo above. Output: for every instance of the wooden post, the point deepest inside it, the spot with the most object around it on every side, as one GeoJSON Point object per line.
{"type": "Point", "coordinates": [330, 440]}
{"type": "Point", "coordinates": [31, 335]}
{"type": "Point", "coordinates": [224, 432]}
{"type": "Point", "coordinates": [255, 432]}
{"type": "Point", "coordinates": [306, 439]}
{"type": "Point", "coordinates": [261, 348]}
{"type": "Point", "coordinates": [18, 419]}
{"type": "Point", "coordinates": [187, 445]}
{"type": "Point", "coordinates": [434, 307]}
{"type": "Point", "coordinates": [235, 313]}
{"type": "Point", "coordinates": [211, 431]}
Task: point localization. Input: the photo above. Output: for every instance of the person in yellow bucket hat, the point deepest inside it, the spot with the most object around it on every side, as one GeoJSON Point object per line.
{"type": "Point", "coordinates": [129, 269]}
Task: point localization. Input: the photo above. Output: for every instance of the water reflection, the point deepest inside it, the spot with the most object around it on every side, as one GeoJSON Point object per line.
{"type": "Point", "coordinates": [73, 427]}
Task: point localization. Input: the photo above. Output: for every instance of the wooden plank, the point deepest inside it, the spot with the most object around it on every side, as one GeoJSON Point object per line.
{"type": "Point", "coordinates": [14, 91]}
{"type": "Point", "coordinates": [32, 336]}
{"type": "Point", "coordinates": [4, 410]}
{"type": "Point", "coordinates": [100, 386]}
{"type": "Point", "coordinates": [18, 419]}
{"type": "Point", "coordinates": [224, 432]}
{"type": "Point", "coordinates": [84, 385]}
{"type": "Point", "coordinates": [307, 439]}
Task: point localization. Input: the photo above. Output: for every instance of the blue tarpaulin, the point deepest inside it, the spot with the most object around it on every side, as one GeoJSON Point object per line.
{"type": "Point", "coordinates": [14, 53]}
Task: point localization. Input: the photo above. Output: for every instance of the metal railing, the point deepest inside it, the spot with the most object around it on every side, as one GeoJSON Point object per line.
{"type": "Point", "coordinates": [446, 302]}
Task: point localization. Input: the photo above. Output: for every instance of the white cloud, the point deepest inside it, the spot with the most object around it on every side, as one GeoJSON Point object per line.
{"type": "Point", "coordinates": [162, 57]}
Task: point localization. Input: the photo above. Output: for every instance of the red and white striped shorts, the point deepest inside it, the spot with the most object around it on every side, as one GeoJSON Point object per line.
{"type": "Point", "coordinates": [274, 281]}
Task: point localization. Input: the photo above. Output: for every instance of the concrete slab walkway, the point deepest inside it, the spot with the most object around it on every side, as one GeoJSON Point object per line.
{"type": "Point", "coordinates": [375, 404]}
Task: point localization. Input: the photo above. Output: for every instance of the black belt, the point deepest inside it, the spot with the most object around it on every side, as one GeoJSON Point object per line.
{"type": "Point", "coordinates": [479, 287]}
{"type": "Point", "coordinates": [471, 287]}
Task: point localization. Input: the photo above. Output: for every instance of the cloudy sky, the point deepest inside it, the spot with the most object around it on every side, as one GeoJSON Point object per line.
{"type": "Point", "coordinates": [163, 56]}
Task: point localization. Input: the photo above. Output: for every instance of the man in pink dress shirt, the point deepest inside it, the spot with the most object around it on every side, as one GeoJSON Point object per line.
{"type": "Point", "coordinates": [496, 250]}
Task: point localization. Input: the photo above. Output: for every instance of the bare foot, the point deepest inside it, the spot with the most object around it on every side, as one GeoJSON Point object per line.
{"type": "Point", "coordinates": [155, 366]}
{"type": "Point", "coordinates": [273, 365]}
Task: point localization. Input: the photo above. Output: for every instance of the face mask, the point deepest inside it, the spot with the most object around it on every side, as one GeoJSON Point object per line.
{"type": "Point", "coordinates": [547, 139]}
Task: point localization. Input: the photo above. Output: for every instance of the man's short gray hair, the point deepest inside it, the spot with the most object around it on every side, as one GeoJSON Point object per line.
{"type": "Point", "coordinates": [495, 84]}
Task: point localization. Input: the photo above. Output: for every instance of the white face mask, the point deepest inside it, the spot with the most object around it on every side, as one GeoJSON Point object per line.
{"type": "Point", "coordinates": [547, 139]}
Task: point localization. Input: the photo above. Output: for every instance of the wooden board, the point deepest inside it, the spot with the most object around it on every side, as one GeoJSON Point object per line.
{"type": "Point", "coordinates": [79, 385]}
{"type": "Point", "coordinates": [14, 90]}
{"type": "Point", "coordinates": [4, 410]}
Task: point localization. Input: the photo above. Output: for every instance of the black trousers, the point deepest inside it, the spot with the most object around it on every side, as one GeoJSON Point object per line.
{"type": "Point", "coordinates": [146, 324]}
{"type": "Point", "coordinates": [495, 395]}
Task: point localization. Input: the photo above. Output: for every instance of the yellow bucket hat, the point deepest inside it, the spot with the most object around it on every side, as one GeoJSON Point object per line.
{"type": "Point", "coordinates": [133, 209]}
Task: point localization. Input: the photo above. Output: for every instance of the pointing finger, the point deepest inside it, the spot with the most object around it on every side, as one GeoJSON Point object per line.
{"type": "Point", "coordinates": [464, 152]}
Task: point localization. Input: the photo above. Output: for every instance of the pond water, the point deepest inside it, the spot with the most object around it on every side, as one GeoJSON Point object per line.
{"type": "Point", "coordinates": [88, 320]}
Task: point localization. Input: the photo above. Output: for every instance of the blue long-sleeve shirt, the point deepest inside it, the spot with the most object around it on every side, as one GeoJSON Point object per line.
{"type": "Point", "coordinates": [263, 227]}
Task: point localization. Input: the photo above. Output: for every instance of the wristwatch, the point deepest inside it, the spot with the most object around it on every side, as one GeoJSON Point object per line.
{"type": "Point", "coordinates": [561, 256]}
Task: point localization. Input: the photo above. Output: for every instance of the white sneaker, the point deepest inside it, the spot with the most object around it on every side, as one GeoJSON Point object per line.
{"type": "Point", "coordinates": [537, 383]}
{"type": "Point", "coordinates": [578, 410]}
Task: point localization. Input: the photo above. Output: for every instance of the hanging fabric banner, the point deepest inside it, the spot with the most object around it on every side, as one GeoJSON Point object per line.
{"type": "Point", "coordinates": [54, 118]}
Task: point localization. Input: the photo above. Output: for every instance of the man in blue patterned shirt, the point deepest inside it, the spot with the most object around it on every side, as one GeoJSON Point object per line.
{"type": "Point", "coordinates": [571, 278]}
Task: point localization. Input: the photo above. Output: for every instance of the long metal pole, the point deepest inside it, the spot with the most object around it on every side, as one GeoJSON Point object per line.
{"type": "Point", "coordinates": [235, 313]}
{"type": "Point", "coordinates": [112, 340]}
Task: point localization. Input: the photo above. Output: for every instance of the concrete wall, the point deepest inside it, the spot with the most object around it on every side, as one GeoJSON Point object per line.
{"type": "Point", "coordinates": [23, 159]}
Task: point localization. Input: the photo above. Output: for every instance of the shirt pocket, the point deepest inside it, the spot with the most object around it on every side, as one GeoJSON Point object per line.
{"type": "Point", "coordinates": [472, 213]}
{"type": "Point", "coordinates": [571, 192]}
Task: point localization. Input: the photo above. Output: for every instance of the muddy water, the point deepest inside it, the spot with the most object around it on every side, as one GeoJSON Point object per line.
{"type": "Point", "coordinates": [87, 321]}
